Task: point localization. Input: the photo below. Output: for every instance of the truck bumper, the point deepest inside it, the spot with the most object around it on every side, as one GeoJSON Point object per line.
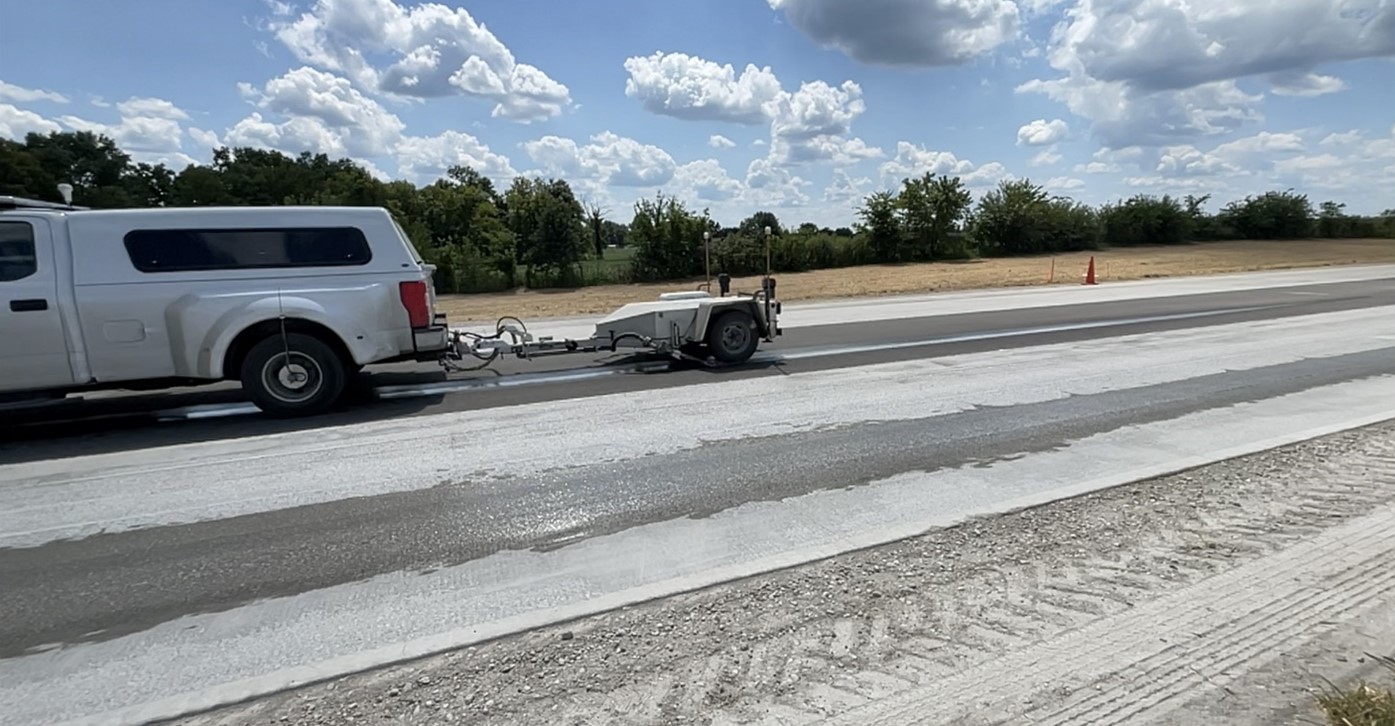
{"type": "Point", "coordinates": [432, 340]}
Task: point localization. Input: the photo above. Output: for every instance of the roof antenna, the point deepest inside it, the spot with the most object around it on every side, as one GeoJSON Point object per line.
{"type": "Point", "coordinates": [66, 190]}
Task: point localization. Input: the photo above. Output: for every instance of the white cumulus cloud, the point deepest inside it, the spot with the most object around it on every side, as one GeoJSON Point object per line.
{"type": "Point", "coordinates": [20, 94]}
{"type": "Point", "coordinates": [912, 160]}
{"type": "Point", "coordinates": [808, 124]}
{"type": "Point", "coordinates": [1042, 132]}
{"type": "Point", "coordinates": [151, 107]}
{"type": "Point", "coordinates": [426, 51]}
{"type": "Point", "coordinates": [320, 112]}
{"type": "Point", "coordinates": [718, 141]}
{"type": "Point", "coordinates": [1165, 72]}
{"type": "Point", "coordinates": [427, 158]}
{"type": "Point", "coordinates": [706, 180]}
{"type": "Point", "coordinates": [16, 122]}
{"type": "Point", "coordinates": [609, 159]}
{"type": "Point", "coordinates": [696, 89]}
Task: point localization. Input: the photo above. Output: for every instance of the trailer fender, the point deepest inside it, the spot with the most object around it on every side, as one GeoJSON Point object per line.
{"type": "Point", "coordinates": [709, 312]}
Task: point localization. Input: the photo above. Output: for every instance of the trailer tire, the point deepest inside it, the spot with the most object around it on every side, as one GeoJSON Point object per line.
{"type": "Point", "coordinates": [312, 382]}
{"type": "Point", "coordinates": [732, 337]}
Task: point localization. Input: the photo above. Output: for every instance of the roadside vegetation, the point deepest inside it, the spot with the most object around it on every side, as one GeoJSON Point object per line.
{"type": "Point", "coordinates": [1362, 704]}
{"type": "Point", "coordinates": [538, 234]}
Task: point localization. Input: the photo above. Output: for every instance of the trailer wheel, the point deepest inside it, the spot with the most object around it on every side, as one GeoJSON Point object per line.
{"type": "Point", "coordinates": [732, 337]}
{"type": "Point", "coordinates": [298, 375]}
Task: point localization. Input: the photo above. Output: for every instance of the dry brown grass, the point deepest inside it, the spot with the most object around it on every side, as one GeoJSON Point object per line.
{"type": "Point", "coordinates": [1117, 264]}
{"type": "Point", "coordinates": [1362, 704]}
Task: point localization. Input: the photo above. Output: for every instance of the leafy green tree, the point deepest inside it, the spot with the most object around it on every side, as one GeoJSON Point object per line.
{"type": "Point", "coordinates": [149, 185]}
{"type": "Point", "coordinates": [1146, 220]}
{"type": "Point", "coordinates": [1019, 218]}
{"type": "Point", "coordinates": [615, 233]}
{"type": "Point", "coordinates": [467, 176]}
{"type": "Point", "coordinates": [1007, 219]}
{"type": "Point", "coordinates": [93, 164]}
{"type": "Point", "coordinates": [1333, 221]}
{"type": "Point", "coordinates": [881, 223]}
{"type": "Point", "coordinates": [1069, 226]}
{"type": "Point", "coordinates": [1271, 215]}
{"type": "Point", "coordinates": [931, 210]}
{"type": "Point", "coordinates": [200, 186]}
{"type": "Point", "coordinates": [548, 223]}
{"type": "Point", "coordinates": [754, 225]}
{"type": "Point", "coordinates": [667, 237]}
{"type": "Point", "coordinates": [23, 175]}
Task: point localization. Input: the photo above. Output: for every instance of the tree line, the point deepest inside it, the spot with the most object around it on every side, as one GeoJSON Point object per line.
{"type": "Point", "coordinates": [538, 233]}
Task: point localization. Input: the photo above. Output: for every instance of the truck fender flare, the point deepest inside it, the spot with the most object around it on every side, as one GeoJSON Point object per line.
{"type": "Point", "coordinates": [238, 320]}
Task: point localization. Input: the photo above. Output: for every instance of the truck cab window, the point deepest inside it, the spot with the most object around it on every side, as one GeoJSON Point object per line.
{"type": "Point", "coordinates": [18, 258]}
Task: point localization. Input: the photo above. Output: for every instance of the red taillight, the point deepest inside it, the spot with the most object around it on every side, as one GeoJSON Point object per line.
{"type": "Point", "coordinates": [414, 298]}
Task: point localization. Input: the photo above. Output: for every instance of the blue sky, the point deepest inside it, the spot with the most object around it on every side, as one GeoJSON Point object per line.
{"type": "Point", "coordinates": [796, 106]}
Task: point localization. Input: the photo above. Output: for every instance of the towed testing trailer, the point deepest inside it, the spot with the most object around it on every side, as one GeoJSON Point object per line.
{"type": "Point", "coordinates": [692, 325]}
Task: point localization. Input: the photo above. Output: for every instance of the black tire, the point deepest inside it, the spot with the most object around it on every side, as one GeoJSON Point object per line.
{"type": "Point", "coordinates": [279, 391]}
{"type": "Point", "coordinates": [732, 336]}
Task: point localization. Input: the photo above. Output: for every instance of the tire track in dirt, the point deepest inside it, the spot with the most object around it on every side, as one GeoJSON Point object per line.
{"type": "Point", "coordinates": [1123, 668]}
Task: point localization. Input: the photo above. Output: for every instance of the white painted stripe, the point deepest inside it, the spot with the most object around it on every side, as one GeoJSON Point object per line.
{"type": "Point", "coordinates": [203, 661]}
{"type": "Point", "coordinates": [206, 411]}
{"type": "Point", "coordinates": [64, 498]}
{"type": "Point", "coordinates": [999, 334]}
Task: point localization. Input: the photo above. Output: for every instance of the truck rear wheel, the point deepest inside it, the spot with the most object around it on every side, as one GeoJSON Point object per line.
{"type": "Point", "coordinates": [732, 336]}
{"type": "Point", "coordinates": [294, 375]}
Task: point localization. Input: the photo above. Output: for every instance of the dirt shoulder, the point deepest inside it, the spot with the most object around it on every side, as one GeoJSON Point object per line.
{"type": "Point", "coordinates": [1044, 611]}
{"type": "Point", "coordinates": [1117, 264]}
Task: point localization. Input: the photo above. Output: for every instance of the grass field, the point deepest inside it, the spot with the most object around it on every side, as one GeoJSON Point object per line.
{"type": "Point", "coordinates": [1110, 265]}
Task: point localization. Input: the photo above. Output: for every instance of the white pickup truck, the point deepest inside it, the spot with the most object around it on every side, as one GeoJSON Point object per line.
{"type": "Point", "coordinates": [290, 301]}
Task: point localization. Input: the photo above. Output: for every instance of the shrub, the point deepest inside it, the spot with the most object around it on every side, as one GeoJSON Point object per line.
{"type": "Point", "coordinates": [1020, 218]}
{"type": "Point", "coordinates": [667, 238]}
{"type": "Point", "coordinates": [1007, 220]}
{"type": "Point", "coordinates": [1146, 220]}
{"type": "Point", "coordinates": [1070, 226]}
{"type": "Point", "coordinates": [1271, 215]}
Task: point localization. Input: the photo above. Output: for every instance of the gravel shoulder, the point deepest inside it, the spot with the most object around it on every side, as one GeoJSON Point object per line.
{"type": "Point", "coordinates": [985, 608]}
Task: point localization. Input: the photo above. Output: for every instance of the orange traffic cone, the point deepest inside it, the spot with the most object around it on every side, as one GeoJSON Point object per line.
{"type": "Point", "coordinates": [1090, 273]}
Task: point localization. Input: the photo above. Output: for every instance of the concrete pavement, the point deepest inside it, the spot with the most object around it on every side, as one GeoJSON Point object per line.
{"type": "Point", "coordinates": [225, 565]}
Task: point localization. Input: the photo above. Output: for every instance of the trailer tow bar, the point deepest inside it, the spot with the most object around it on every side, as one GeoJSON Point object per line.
{"type": "Point", "coordinates": [471, 351]}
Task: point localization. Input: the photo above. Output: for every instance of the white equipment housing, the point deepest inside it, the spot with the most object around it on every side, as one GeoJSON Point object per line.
{"type": "Point", "coordinates": [690, 325]}
{"type": "Point", "coordinates": [676, 315]}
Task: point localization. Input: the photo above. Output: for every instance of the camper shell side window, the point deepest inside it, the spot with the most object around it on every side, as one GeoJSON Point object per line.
{"type": "Point", "coordinates": [188, 250]}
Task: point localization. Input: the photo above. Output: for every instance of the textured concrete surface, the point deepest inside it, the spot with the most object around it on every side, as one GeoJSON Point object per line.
{"type": "Point", "coordinates": [240, 559]}
{"type": "Point", "coordinates": [1225, 594]}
